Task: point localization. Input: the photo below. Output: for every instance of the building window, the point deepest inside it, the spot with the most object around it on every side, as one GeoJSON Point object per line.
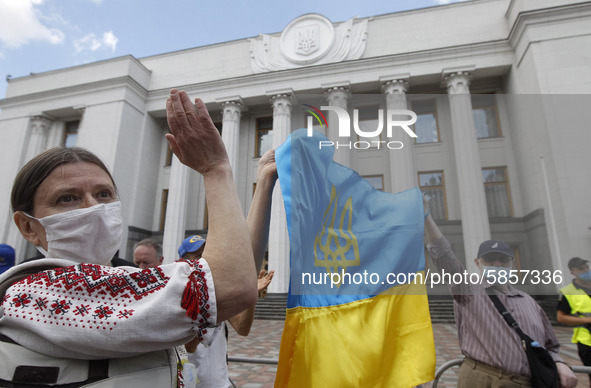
{"type": "Point", "coordinates": [432, 185]}
{"type": "Point", "coordinates": [496, 189]}
{"type": "Point", "coordinates": [484, 109]}
{"type": "Point", "coordinates": [426, 126]}
{"type": "Point", "coordinates": [376, 181]}
{"type": "Point", "coordinates": [163, 208]}
{"type": "Point", "coordinates": [71, 133]}
{"type": "Point", "coordinates": [168, 161]}
{"type": "Point", "coordinates": [219, 126]}
{"type": "Point", "coordinates": [264, 134]}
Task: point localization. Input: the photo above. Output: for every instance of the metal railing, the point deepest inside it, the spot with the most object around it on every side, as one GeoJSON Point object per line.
{"type": "Point", "coordinates": [438, 373]}
{"type": "Point", "coordinates": [458, 362]}
{"type": "Point", "coordinates": [254, 360]}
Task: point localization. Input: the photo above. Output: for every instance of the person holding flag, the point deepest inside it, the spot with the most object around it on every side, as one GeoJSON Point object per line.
{"type": "Point", "coordinates": [344, 333]}
{"type": "Point", "coordinates": [494, 352]}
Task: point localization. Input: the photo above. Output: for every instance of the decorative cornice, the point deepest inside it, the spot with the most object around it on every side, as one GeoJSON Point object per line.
{"type": "Point", "coordinates": [350, 69]}
{"type": "Point", "coordinates": [238, 99]}
{"type": "Point", "coordinates": [126, 81]}
{"type": "Point", "coordinates": [520, 21]}
{"type": "Point", "coordinates": [79, 108]}
{"type": "Point", "coordinates": [286, 91]}
{"type": "Point", "coordinates": [337, 84]}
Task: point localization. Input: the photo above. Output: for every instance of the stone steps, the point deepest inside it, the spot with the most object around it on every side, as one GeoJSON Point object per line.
{"type": "Point", "coordinates": [273, 307]}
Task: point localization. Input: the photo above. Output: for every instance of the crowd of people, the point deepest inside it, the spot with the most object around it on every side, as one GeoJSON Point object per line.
{"type": "Point", "coordinates": [143, 323]}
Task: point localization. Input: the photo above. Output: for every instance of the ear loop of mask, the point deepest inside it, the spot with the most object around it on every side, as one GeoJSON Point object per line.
{"type": "Point", "coordinates": [38, 247]}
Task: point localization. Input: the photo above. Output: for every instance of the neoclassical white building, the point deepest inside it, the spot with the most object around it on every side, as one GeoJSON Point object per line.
{"type": "Point", "coordinates": [501, 90]}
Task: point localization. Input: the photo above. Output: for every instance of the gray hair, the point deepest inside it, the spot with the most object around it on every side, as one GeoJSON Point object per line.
{"type": "Point", "coordinates": [150, 242]}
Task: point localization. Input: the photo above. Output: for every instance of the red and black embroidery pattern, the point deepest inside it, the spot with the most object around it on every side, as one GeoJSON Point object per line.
{"type": "Point", "coordinates": [85, 295]}
{"type": "Point", "coordinates": [60, 306]}
{"type": "Point", "coordinates": [82, 310]}
{"type": "Point", "coordinates": [88, 296]}
{"type": "Point", "coordinates": [21, 300]}
{"type": "Point", "coordinates": [103, 312]}
{"type": "Point", "coordinates": [40, 304]}
{"type": "Point", "coordinates": [125, 313]}
{"type": "Point", "coordinates": [96, 279]}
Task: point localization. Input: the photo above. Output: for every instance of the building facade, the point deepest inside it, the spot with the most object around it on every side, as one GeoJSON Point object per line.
{"type": "Point", "coordinates": [500, 88]}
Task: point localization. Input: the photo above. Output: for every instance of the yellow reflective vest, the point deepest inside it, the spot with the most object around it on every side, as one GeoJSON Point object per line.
{"type": "Point", "coordinates": [580, 305]}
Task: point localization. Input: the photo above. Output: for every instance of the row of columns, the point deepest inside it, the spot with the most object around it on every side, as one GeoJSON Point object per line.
{"type": "Point", "coordinates": [473, 209]}
{"type": "Point", "coordinates": [402, 171]}
{"type": "Point", "coordinates": [39, 139]}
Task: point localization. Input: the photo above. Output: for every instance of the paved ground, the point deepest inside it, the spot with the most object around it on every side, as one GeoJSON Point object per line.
{"type": "Point", "coordinates": [265, 336]}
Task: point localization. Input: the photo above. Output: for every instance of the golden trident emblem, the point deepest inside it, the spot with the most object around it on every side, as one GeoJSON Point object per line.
{"type": "Point", "coordinates": [331, 259]}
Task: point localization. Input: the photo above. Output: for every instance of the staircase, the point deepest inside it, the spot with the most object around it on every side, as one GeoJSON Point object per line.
{"type": "Point", "coordinates": [273, 307]}
{"type": "Point", "coordinates": [441, 308]}
{"type": "Point", "coordinates": [548, 304]}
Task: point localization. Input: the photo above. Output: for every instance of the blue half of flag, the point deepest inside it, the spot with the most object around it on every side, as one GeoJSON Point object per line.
{"type": "Point", "coordinates": [340, 225]}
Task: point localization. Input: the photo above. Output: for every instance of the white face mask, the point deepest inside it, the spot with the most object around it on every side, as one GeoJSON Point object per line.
{"type": "Point", "coordinates": [494, 274]}
{"type": "Point", "coordinates": [89, 235]}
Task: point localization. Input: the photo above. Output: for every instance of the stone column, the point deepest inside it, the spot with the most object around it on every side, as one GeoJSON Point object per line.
{"type": "Point", "coordinates": [338, 96]}
{"type": "Point", "coordinates": [39, 128]}
{"type": "Point", "coordinates": [176, 208]}
{"type": "Point", "coordinates": [474, 214]}
{"type": "Point", "coordinates": [278, 236]}
{"type": "Point", "coordinates": [402, 170]}
{"type": "Point", "coordinates": [39, 133]}
{"type": "Point", "coordinates": [230, 129]}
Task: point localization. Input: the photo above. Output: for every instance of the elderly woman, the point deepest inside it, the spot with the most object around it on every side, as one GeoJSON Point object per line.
{"type": "Point", "coordinates": [71, 307]}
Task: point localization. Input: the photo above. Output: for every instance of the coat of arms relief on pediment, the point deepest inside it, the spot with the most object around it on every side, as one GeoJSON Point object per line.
{"type": "Point", "coordinates": [309, 40]}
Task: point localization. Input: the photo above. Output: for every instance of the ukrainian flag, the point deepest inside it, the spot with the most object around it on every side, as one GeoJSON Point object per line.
{"type": "Point", "coordinates": [347, 323]}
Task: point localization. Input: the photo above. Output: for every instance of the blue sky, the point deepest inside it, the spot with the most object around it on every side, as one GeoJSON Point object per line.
{"type": "Point", "coordinates": [43, 35]}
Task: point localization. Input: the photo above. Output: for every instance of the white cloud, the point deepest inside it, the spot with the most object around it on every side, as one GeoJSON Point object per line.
{"type": "Point", "coordinates": [92, 43]}
{"type": "Point", "coordinates": [110, 40]}
{"type": "Point", "coordinates": [20, 24]}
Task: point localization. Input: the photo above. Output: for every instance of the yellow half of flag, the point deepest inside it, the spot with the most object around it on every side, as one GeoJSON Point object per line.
{"type": "Point", "coordinates": [382, 341]}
